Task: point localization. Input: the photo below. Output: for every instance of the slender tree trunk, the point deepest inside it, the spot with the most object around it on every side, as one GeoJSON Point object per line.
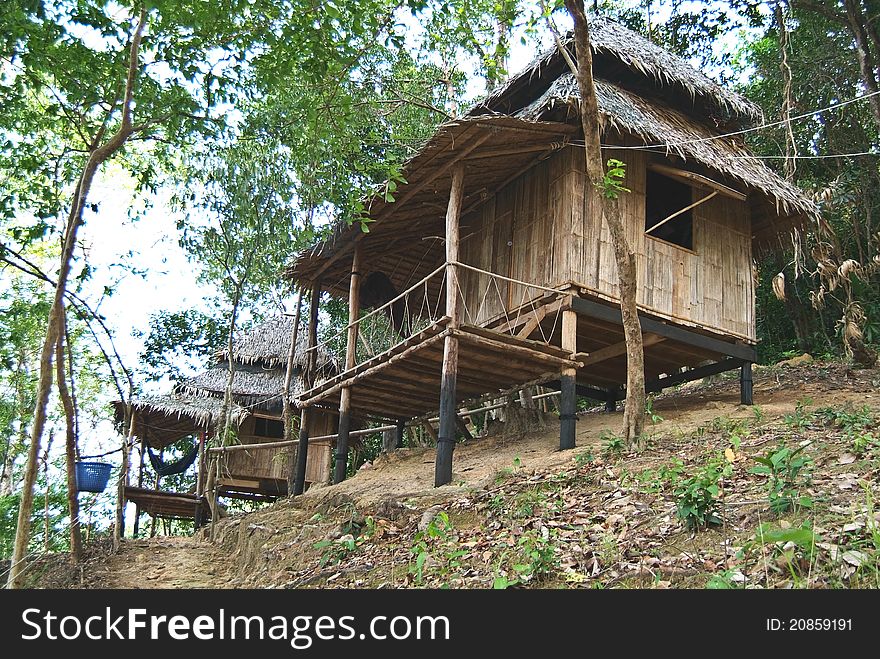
{"type": "Point", "coordinates": [46, 493]}
{"type": "Point", "coordinates": [287, 412]}
{"type": "Point", "coordinates": [70, 449]}
{"type": "Point", "coordinates": [99, 153]}
{"type": "Point", "coordinates": [224, 431]}
{"type": "Point", "coordinates": [857, 25]}
{"type": "Point", "coordinates": [634, 414]}
{"type": "Point", "coordinates": [122, 481]}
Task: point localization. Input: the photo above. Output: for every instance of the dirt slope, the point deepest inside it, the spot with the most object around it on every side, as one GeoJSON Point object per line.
{"type": "Point", "coordinates": [516, 497]}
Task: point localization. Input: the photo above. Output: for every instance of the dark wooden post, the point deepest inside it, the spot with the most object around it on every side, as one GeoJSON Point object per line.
{"type": "Point", "coordinates": [350, 360]}
{"type": "Point", "coordinates": [745, 384]}
{"type": "Point", "coordinates": [119, 531]}
{"type": "Point", "coordinates": [302, 451]}
{"type": "Point", "coordinates": [302, 454]}
{"type": "Point", "coordinates": [200, 476]}
{"type": "Point", "coordinates": [446, 434]}
{"type": "Point", "coordinates": [568, 384]}
{"type": "Point", "coordinates": [137, 508]}
{"type": "Point", "coordinates": [401, 427]}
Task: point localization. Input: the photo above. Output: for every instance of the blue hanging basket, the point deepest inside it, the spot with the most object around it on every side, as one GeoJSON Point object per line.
{"type": "Point", "coordinates": [92, 476]}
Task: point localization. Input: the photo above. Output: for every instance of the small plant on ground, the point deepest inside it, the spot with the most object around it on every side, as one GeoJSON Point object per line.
{"type": "Point", "coordinates": [650, 412]}
{"type": "Point", "coordinates": [758, 414]}
{"type": "Point", "coordinates": [584, 458]}
{"type": "Point", "coordinates": [801, 418]}
{"type": "Point", "coordinates": [537, 555]}
{"type": "Point", "coordinates": [613, 444]}
{"type": "Point", "coordinates": [335, 551]}
{"type": "Point", "coordinates": [864, 442]}
{"type": "Point", "coordinates": [787, 551]}
{"type": "Point", "coordinates": [848, 419]}
{"type": "Point", "coordinates": [787, 471]}
{"type": "Point", "coordinates": [436, 542]}
{"type": "Point", "coordinates": [697, 496]}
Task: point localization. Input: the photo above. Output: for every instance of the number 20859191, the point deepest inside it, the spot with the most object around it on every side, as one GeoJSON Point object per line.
{"type": "Point", "coordinates": [809, 624]}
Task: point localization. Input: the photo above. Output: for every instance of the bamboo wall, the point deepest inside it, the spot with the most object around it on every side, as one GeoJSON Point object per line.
{"type": "Point", "coordinates": [272, 463]}
{"type": "Point", "coordinates": [536, 230]}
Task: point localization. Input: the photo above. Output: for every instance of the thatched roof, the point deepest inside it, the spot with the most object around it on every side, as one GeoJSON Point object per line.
{"type": "Point", "coordinates": [253, 386]}
{"type": "Point", "coordinates": [623, 55]}
{"type": "Point", "coordinates": [162, 420]}
{"type": "Point", "coordinates": [268, 343]}
{"type": "Point", "coordinates": [647, 95]}
{"type": "Point", "coordinates": [656, 123]}
{"type": "Point", "coordinates": [405, 238]}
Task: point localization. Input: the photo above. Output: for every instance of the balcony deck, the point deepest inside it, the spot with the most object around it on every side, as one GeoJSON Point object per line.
{"type": "Point", "coordinates": [404, 382]}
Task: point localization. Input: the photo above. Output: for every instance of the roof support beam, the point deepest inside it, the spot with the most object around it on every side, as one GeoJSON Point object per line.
{"type": "Point", "coordinates": [409, 194]}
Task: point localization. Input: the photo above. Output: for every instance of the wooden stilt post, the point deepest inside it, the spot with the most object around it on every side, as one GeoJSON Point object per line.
{"type": "Point", "coordinates": [568, 384]}
{"type": "Point", "coordinates": [302, 454]}
{"type": "Point", "coordinates": [140, 481]}
{"type": "Point", "coordinates": [745, 384]}
{"type": "Point", "coordinates": [448, 413]}
{"type": "Point", "coordinates": [200, 477]}
{"type": "Point", "coordinates": [119, 531]}
{"type": "Point", "coordinates": [302, 451]}
{"type": "Point", "coordinates": [401, 427]}
{"type": "Point", "coordinates": [350, 359]}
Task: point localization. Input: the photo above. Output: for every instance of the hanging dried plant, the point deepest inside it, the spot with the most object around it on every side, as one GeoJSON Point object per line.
{"type": "Point", "coordinates": [779, 286]}
{"type": "Point", "coordinates": [848, 267]}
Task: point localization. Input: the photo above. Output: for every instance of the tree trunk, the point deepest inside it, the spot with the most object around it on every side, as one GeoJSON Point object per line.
{"type": "Point", "coordinates": [634, 414]}
{"type": "Point", "coordinates": [70, 450]}
{"type": "Point", "coordinates": [858, 28]}
{"type": "Point", "coordinates": [287, 415]}
{"type": "Point", "coordinates": [226, 414]}
{"type": "Point", "coordinates": [44, 386]}
{"type": "Point", "coordinates": [99, 153]}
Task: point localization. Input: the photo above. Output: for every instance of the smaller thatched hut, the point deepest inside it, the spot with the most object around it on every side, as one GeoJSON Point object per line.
{"type": "Point", "coordinates": [194, 409]}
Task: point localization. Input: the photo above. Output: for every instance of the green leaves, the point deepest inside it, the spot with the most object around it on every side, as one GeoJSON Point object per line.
{"type": "Point", "coordinates": [784, 468]}
{"type": "Point", "coordinates": [803, 536]}
{"type": "Point", "coordinates": [615, 175]}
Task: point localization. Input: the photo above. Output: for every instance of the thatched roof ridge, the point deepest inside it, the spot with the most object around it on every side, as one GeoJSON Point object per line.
{"type": "Point", "coordinates": [252, 386]}
{"type": "Point", "coordinates": [268, 343]}
{"type": "Point", "coordinates": [643, 58]}
{"type": "Point", "coordinates": [162, 420]}
{"type": "Point", "coordinates": [657, 123]}
{"type": "Point", "coordinates": [202, 411]}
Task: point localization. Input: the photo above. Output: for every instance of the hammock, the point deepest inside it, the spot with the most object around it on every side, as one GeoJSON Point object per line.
{"type": "Point", "coordinates": [171, 468]}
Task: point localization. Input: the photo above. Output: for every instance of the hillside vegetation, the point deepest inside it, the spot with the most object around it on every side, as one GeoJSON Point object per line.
{"type": "Point", "coordinates": [781, 495]}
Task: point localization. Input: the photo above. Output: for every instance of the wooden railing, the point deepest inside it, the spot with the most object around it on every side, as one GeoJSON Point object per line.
{"type": "Point", "coordinates": [485, 299]}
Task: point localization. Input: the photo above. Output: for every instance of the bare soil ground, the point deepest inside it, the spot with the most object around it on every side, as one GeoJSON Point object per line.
{"type": "Point", "coordinates": [521, 512]}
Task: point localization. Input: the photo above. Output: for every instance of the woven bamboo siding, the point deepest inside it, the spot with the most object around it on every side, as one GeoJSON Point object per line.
{"type": "Point", "coordinates": [261, 463]}
{"type": "Point", "coordinates": [272, 463]}
{"type": "Point", "coordinates": [536, 230]}
{"type": "Point", "coordinates": [711, 287]}
{"type": "Point", "coordinates": [319, 458]}
{"type": "Point", "coordinates": [516, 235]}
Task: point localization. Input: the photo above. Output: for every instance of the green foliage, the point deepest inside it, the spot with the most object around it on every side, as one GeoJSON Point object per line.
{"type": "Point", "coordinates": [787, 471]}
{"type": "Point", "coordinates": [652, 414]}
{"type": "Point", "coordinates": [801, 418]}
{"type": "Point", "coordinates": [435, 542]}
{"type": "Point", "coordinates": [613, 445]}
{"type": "Point", "coordinates": [664, 478]}
{"type": "Point", "coordinates": [615, 175]}
{"type": "Point", "coordinates": [537, 556]}
{"type": "Point", "coordinates": [848, 419]}
{"type": "Point", "coordinates": [697, 496]}
{"type": "Point", "coordinates": [178, 343]}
